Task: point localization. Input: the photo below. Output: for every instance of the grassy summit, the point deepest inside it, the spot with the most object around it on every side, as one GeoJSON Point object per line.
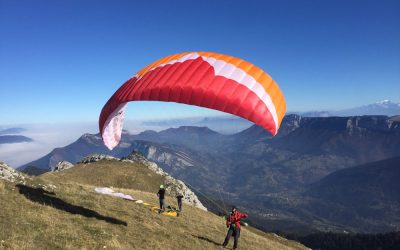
{"type": "Point", "coordinates": [62, 210]}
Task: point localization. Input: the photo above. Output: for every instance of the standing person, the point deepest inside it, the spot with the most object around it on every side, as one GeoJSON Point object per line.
{"type": "Point", "coordinates": [179, 198]}
{"type": "Point", "coordinates": [233, 223]}
{"type": "Point", "coordinates": [161, 197]}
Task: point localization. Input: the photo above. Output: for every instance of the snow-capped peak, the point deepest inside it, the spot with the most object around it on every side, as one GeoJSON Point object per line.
{"type": "Point", "coordinates": [383, 102]}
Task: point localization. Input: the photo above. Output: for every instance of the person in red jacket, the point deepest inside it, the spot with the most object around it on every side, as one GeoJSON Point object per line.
{"type": "Point", "coordinates": [233, 223]}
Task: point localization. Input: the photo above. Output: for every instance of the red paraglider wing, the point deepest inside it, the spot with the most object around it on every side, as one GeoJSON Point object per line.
{"type": "Point", "coordinates": [203, 79]}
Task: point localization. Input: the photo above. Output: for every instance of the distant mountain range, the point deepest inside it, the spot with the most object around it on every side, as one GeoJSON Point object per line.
{"type": "Point", "coordinates": [384, 107]}
{"type": "Point", "coordinates": [273, 178]}
{"type": "Point", "coordinates": [228, 124]}
{"type": "Point", "coordinates": [5, 139]}
{"type": "Point", "coordinates": [11, 135]}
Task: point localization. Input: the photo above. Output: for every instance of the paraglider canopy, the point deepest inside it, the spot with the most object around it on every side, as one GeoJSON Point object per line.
{"type": "Point", "coordinates": [204, 79]}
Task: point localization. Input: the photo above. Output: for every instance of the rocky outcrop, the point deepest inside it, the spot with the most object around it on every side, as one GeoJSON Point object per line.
{"type": "Point", "coordinates": [91, 139]}
{"type": "Point", "coordinates": [62, 165]}
{"type": "Point", "coordinates": [9, 174]}
{"type": "Point", "coordinates": [173, 186]}
{"type": "Point", "coordinates": [97, 157]}
{"type": "Point", "coordinates": [165, 156]}
{"type": "Point", "coordinates": [138, 157]}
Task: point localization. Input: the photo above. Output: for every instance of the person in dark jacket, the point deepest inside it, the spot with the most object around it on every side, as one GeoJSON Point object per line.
{"type": "Point", "coordinates": [179, 199]}
{"type": "Point", "coordinates": [161, 197]}
{"type": "Point", "coordinates": [233, 223]}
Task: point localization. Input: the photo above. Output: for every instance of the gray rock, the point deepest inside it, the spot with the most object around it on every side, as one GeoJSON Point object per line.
{"type": "Point", "coordinates": [97, 157]}
{"type": "Point", "coordinates": [173, 187]}
{"type": "Point", "coordinates": [62, 165]}
{"type": "Point", "coordinates": [9, 174]}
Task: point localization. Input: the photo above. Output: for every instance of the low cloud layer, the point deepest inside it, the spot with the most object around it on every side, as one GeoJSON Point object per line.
{"type": "Point", "coordinates": [47, 137]}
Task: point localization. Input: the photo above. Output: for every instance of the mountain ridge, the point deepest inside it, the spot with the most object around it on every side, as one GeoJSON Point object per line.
{"type": "Point", "coordinates": [384, 107]}
{"type": "Point", "coordinates": [265, 174]}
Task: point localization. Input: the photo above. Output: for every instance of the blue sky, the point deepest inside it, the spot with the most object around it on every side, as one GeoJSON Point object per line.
{"type": "Point", "coordinates": [60, 61]}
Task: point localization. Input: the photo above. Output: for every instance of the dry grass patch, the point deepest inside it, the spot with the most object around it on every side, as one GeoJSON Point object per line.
{"type": "Point", "coordinates": [110, 173]}
{"type": "Point", "coordinates": [2, 186]}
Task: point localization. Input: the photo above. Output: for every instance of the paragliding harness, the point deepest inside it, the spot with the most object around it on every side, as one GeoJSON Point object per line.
{"type": "Point", "coordinates": [169, 211]}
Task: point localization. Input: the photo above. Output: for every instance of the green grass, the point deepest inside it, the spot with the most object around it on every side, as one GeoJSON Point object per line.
{"type": "Point", "coordinates": [73, 216]}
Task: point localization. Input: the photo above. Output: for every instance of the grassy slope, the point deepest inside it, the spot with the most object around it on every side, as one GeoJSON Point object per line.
{"type": "Point", "coordinates": [75, 217]}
